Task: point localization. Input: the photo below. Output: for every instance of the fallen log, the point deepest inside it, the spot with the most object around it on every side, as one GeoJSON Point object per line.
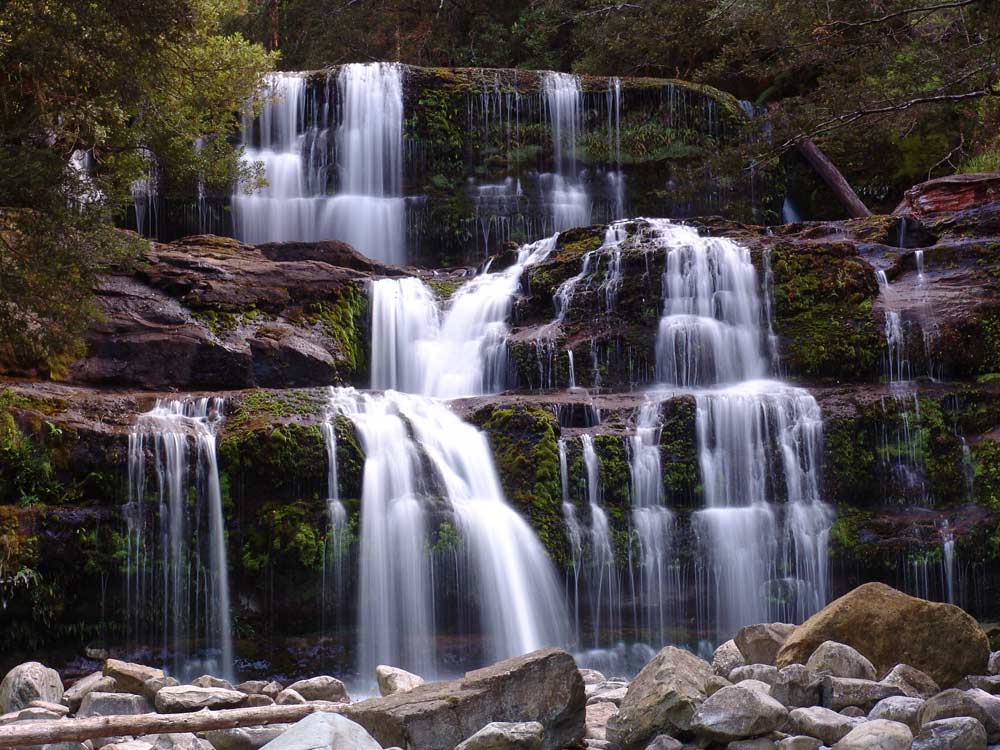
{"type": "Point", "coordinates": [832, 176]}
{"type": "Point", "coordinates": [76, 730]}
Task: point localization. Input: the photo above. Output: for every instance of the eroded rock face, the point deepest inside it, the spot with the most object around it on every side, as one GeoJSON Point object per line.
{"type": "Point", "coordinates": [543, 686]}
{"type": "Point", "coordinates": [958, 192]}
{"type": "Point", "coordinates": [889, 627]}
{"type": "Point", "coordinates": [29, 682]}
{"type": "Point", "coordinates": [661, 699]}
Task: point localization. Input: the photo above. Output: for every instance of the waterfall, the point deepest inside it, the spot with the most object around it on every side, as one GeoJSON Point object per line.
{"type": "Point", "coordinates": [517, 600]}
{"type": "Point", "coordinates": [459, 351]}
{"type": "Point", "coordinates": [368, 209]}
{"type": "Point", "coordinates": [763, 533]}
{"type": "Point", "coordinates": [948, 561]}
{"type": "Point", "coordinates": [710, 329]}
{"type": "Point", "coordinates": [653, 527]}
{"type": "Point", "coordinates": [574, 533]}
{"type": "Point", "coordinates": [193, 594]}
{"type": "Point", "coordinates": [566, 197]}
{"type": "Point", "coordinates": [604, 595]}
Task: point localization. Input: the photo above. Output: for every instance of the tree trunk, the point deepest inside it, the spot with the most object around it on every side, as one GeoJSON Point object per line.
{"type": "Point", "coordinates": [24, 733]}
{"type": "Point", "coordinates": [273, 18]}
{"type": "Point", "coordinates": [856, 209]}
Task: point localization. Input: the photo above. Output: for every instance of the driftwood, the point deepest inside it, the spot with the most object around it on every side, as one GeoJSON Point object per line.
{"type": "Point", "coordinates": [23, 733]}
{"type": "Point", "coordinates": [834, 179]}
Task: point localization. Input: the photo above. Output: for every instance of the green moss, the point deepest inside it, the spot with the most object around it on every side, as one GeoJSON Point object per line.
{"type": "Point", "coordinates": [443, 289]}
{"type": "Point", "coordinates": [849, 461]}
{"type": "Point", "coordinates": [285, 537]}
{"type": "Point", "coordinates": [846, 532]}
{"type": "Point", "coordinates": [986, 463]}
{"type": "Point", "coordinates": [342, 320]}
{"type": "Point", "coordinates": [254, 408]}
{"type": "Point", "coordinates": [526, 452]}
{"type": "Point", "coordinates": [678, 451]}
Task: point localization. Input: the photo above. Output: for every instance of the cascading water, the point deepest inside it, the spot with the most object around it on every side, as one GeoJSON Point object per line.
{"type": "Point", "coordinates": [605, 590]}
{"type": "Point", "coordinates": [502, 563]}
{"type": "Point", "coordinates": [567, 199]}
{"type": "Point", "coordinates": [193, 592]}
{"type": "Point", "coordinates": [461, 351]}
{"type": "Point", "coordinates": [367, 209]}
{"type": "Point", "coordinates": [759, 441]}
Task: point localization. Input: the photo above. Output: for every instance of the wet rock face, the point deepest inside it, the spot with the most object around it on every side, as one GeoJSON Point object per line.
{"type": "Point", "coordinates": [210, 312]}
{"type": "Point", "coordinates": [952, 193]}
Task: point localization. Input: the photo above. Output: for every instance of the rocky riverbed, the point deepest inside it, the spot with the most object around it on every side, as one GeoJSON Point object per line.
{"type": "Point", "coordinates": [874, 670]}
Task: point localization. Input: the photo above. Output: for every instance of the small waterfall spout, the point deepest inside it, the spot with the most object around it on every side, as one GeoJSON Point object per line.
{"type": "Point", "coordinates": [567, 199]}
{"type": "Point", "coordinates": [192, 593]}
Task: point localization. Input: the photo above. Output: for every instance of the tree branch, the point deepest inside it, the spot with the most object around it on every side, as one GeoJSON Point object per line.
{"type": "Point", "coordinates": [838, 24]}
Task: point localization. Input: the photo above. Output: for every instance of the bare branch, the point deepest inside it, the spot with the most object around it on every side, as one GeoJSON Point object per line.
{"type": "Point", "coordinates": [839, 24]}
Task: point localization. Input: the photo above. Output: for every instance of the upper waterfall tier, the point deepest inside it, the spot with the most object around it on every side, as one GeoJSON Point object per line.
{"type": "Point", "coordinates": [440, 166]}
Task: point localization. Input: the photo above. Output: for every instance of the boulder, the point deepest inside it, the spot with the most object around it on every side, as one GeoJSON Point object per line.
{"type": "Point", "coordinates": [598, 715]}
{"type": "Point", "coordinates": [760, 644]}
{"type": "Point", "coordinates": [244, 738]}
{"type": "Point", "coordinates": [796, 686]}
{"type": "Point", "coordinates": [289, 697]}
{"type": "Point", "coordinates": [252, 687]}
{"type": "Point", "coordinates": [612, 690]}
{"type": "Point", "coordinates": [762, 672]}
{"type": "Point", "coordinates": [180, 741]}
{"type": "Point", "coordinates": [56, 708]}
{"type": "Point", "coordinates": [877, 735]}
{"type": "Point", "coordinates": [854, 711]}
{"type": "Point", "coordinates": [987, 683]}
{"type": "Point", "coordinates": [94, 681]}
{"type": "Point", "coordinates": [394, 680]}
{"type": "Point", "coordinates": [661, 699]}
{"type": "Point", "coordinates": [664, 742]}
{"type": "Point", "coordinates": [592, 677]}
{"type": "Point", "coordinates": [543, 686]}
{"type": "Point", "coordinates": [257, 701]}
{"type": "Point", "coordinates": [324, 731]}
{"type": "Point", "coordinates": [840, 660]}
{"type": "Point", "coordinates": [180, 698]}
{"type": "Point", "coordinates": [757, 685]}
{"type": "Point", "coordinates": [714, 684]}
{"type": "Point", "coordinates": [29, 682]}
{"type": "Point", "coordinates": [957, 192]}
{"type": "Point", "coordinates": [840, 692]}
{"type": "Point", "coordinates": [207, 680]}
{"type": "Point", "coordinates": [113, 704]}
{"type": "Point", "coordinates": [993, 666]}
{"type": "Point", "coordinates": [952, 703]}
{"type": "Point", "coordinates": [73, 746]}
{"type": "Point", "coordinates": [758, 743]}
{"type": "Point", "coordinates": [889, 627]}
{"type": "Point", "coordinates": [155, 684]}
{"type": "Point", "coordinates": [726, 658]}
{"type": "Point", "coordinates": [738, 712]}
{"type": "Point", "coordinates": [816, 721]}
{"type": "Point", "coordinates": [130, 677]}
{"type": "Point", "coordinates": [321, 688]}
{"type": "Point", "coordinates": [899, 708]}
{"type": "Point", "coordinates": [911, 682]}
{"type": "Point", "coordinates": [506, 735]}
{"type": "Point", "coordinates": [272, 689]}
{"type": "Point", "coordinates": [34, 713]}
{"type": "Point", "coordinates": [958, 733]}
{"type": "Point", "coordinates": [798, 742]}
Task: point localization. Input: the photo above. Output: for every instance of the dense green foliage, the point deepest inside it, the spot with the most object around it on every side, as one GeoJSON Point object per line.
{"type": "Point", "coordinates": [93, 93]}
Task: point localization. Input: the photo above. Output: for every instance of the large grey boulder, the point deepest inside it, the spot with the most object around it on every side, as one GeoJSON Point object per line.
{"type": "Point", "coordinates": [958, 733]}
{"type": "Point", "coordinates": [899, 708]}
{"type": "Point", "coordinates": [987, 683]}
{"type": "Point", "coordinates": [877, 735]}
{"type": "Point", "coordinates": [796, 686]}
{"type": "Point", "coordinates": [322, 688]}
{"type": "Point", "coordinates": [592, 677]}
{"type": "Point", "coordinates": [661, 699]}
{"type": "Point", "coordinates": [543, 686]}
{"type": "Point", "coordinates": [324, 731]}
{"type": "Point", "coordinates": [762, 672]}
{"type": "Point", "coordinates": [822, 723]}
{"type": "Point", "coordinates": [180, 698]}
{"type": "Point", "coordinates": [252, 687]}
{"type": "Point", "coordinates": [613, 691]}
{"type": "Point", "coordinates": [29, 682]}
{"type": "Point", "coordinates": [506, 735]}
{"type": "Point", "coordinates": [760, 644]}
{"type": "Point", "coordinates": [664, 742]}
{"type": "Point", "coordinates": [841, 692]}
{"type": "Point", "coordinates": [392, 680]}
{"type": "Point", "coordinates": [245, 738]}
{"type": "Point", "coordinates": [738, 712]}
{"type": "Point", "coordinates": [96, 681]}
{"type": "Point", "coordinates": [112, 704]}
{"type": "Point", "coordinates": [911, 682]}
{"type": "Point", "coordinates": [130, 677]}
{"type": "Point", "coordinates": [840, 660]}
{"type": "Point", "coordinates": [953, 703]}
{"type": "Point", "coordinates": [289, 697]}
{"type": "Point", "coordinates": [155, 684]}
{"type": "Point", "coordinates": [726, 658]}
